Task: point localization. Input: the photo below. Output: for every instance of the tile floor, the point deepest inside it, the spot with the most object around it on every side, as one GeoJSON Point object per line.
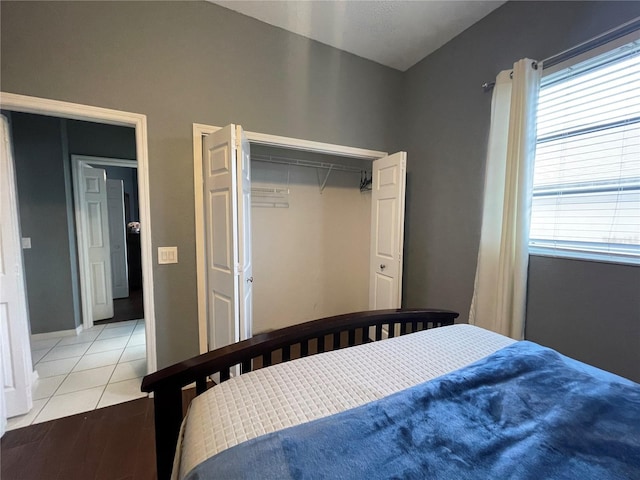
{"type": "Point", "coordinates": [102, 366]}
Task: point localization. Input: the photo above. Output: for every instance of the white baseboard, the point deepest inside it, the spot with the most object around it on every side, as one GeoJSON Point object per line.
{"type": "Point", "coordinates": [60, 333]}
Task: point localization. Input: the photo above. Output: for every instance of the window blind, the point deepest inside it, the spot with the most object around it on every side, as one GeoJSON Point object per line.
{"type": "Point", "coordinates": [586, 192]}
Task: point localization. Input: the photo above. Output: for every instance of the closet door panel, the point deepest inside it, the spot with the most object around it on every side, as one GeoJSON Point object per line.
{"type": "Point", "coordinates": [387, 231]}
{"type": "Point", "coordinates": [221, 213]}
{"type": "Point", "coordinates": [244, 235]}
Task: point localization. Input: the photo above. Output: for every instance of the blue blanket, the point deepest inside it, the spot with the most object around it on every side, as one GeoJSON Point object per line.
{"type": "Point", "coordinates": [525, 412]}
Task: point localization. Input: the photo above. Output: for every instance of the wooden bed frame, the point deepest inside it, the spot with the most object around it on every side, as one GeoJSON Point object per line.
{"type": "Point", "coordinates": [282, 345]}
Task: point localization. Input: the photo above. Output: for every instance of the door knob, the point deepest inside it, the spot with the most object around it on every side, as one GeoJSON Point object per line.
{"type": "Point", "coordinates": [382, 266]}
{"type": "Point", "coordinates": [250, 279]}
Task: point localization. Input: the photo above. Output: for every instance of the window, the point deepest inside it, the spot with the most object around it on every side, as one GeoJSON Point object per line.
{"type": "Point", "coordinates": [586, 192]}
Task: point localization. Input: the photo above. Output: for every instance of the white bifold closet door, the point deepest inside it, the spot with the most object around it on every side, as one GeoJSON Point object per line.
{"type": "Point", "coordinates": [227, 210]}
{"type": "Point", "coordinates": [387, 231]}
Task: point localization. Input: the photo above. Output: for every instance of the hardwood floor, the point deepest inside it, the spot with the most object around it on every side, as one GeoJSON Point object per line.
{"type": "Point", "coordinates": [130, 308]}
{"type": "Point", "coordinates": [113, 443]}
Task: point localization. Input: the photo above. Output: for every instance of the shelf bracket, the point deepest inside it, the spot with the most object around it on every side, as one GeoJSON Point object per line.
{"type": "Point", "coordinates": [324, 183]}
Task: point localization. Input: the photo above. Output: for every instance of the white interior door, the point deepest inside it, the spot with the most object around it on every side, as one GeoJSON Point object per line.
{"type": "Point", "coordinates": [244, 234]}
{"type": "Point", "coordinates": [221, 236]}
{"type": "Point", "coordinates": [117, 239]}
{"type": "Point", "coordinates": [387, 231]}
{"type": "Point", "coordinates": [15, 351]}
{"type": "Point", "coordinates": [95, 238]}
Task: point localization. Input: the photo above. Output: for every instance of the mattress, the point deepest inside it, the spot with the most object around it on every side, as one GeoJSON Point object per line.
{"type": "Point", "coordinates": [309, 388]}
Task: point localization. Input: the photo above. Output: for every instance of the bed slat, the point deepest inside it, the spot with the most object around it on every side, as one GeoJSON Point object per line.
{"type": "Point", "coordinates": [201, 385]}
{"type": "Point", "coordinates": [352, 337]}
{"type": "Point", "coordinates": [336, 341]}
{"type": "Point", "coordinates": [378, 332]}
{"type": "Point", "coordinates": [321, 344]}
{"type": "Point", "coordinates": [245, 367]}
{"type": "Point", "coordinates": [266, 359]}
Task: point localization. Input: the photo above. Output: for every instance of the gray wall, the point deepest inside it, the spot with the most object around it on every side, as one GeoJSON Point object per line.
{"type": "Point", "coordinates": [587, 310]}
{"type": "Point", "coordinates": [44, 217]}
{"type": "Point", "coordinates": [186, 62]}
{"type": "Point", "coordinates": [447, 127]}
{"type": "Point", "coordinates": [100, 140]}
{"type": "Point", "coordinates": [42, 147]}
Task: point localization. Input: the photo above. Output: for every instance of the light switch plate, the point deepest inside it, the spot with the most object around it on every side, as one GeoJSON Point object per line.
{"type": "Point", "coordinates": [26, 242]}
{"type": "Point", "coordinates": [167, 255]}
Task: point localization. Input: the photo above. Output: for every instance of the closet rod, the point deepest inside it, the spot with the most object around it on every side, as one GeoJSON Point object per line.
{"type": "Point", "coordinates": [304, 163]}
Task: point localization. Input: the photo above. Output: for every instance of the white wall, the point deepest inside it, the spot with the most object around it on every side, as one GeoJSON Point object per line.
{"type": "Point", "coordinates": [311, 260]}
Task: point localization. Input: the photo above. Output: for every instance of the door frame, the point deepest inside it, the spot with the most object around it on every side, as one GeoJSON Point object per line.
{"type": "Point", "coordinates": [77, 162]}
{"type": "Point", "coordinates": [201, 130]}
{"type": "Point", "coordinates": [42, 106]}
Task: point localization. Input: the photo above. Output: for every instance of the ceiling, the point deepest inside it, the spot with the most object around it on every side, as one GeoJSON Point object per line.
{"type": "Point", "coordinates": [395, 33]}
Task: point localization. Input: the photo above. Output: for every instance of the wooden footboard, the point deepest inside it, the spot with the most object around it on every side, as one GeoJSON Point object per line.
{"type": "Point", "coordinates": [281, 345]}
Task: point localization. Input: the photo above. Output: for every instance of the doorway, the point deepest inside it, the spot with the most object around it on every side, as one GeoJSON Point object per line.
{"type": "Point", "coordinates": [114, 292]}
{"type": "Point", "coordinates": [19, 103]}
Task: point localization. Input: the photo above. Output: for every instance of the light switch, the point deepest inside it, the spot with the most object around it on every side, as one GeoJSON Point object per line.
{"type": "Point", "coordinates": [26, 242]}
{"type": "Point", "coordinates": [167, 255]}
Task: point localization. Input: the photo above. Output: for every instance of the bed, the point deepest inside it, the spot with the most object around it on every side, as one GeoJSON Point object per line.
{"type": "Point", "coordinates": [393, 408]}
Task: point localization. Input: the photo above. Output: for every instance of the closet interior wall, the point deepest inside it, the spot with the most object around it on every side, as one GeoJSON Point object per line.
{"type": "Point", "coordinates": [310, 247]}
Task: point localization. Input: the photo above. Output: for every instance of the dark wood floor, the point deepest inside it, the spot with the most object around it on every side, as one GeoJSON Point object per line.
{"type": "Point", "coordinates": [130, 308]}
{"type": "Point", "coordinates": [113, 443]}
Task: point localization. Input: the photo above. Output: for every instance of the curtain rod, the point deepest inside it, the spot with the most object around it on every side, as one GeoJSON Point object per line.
{"type": "Point", "coordinates": [597, 41]}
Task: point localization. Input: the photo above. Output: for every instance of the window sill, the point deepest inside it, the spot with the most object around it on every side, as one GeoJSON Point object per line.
{"type": "Point", "coordinates": [584, 256]}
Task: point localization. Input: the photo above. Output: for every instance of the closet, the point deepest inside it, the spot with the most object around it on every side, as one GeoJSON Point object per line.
{"type": "Point", "coordinates": [293, 235]}
{"type": "Point", "coordinates": [311, 226]}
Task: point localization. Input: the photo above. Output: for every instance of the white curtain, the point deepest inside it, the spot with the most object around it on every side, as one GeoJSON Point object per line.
{"type": "Point", "coordinates": [499, 297]}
